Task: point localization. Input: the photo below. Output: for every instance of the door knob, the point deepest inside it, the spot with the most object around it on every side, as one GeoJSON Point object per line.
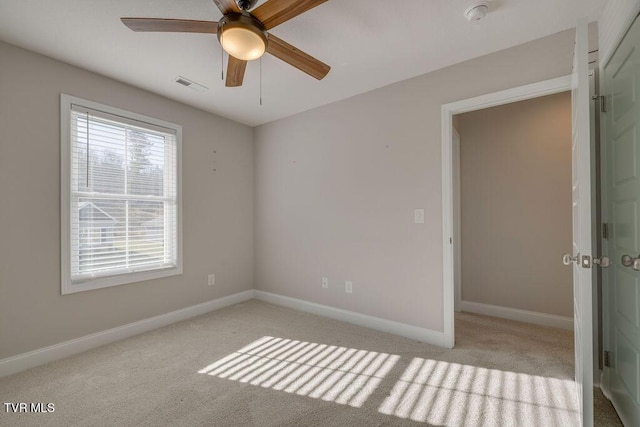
{"type": "Point", "coordinates": [629, 261]}
{"type": "Point", "coordinates": [603, 262]}
{"type": "Point", "coordinates": [568, 259]}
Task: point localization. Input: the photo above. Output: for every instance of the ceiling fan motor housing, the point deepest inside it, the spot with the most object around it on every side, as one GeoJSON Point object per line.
{"type": "Point", "coordinates": [246, 4]}
{"type": "Point", "coordinates": [244, 20]}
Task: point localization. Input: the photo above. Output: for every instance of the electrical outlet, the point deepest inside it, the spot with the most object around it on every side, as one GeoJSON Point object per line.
{"type": "Point", "coordinates": [348, 287]}
{"type": "Point", "coordinates": [325, 282]}
{"type": "Point", "coordinates": [212, 280]}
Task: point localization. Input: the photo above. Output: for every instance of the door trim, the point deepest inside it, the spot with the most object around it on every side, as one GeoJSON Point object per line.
{"type": "Point", "coordinates": [457, 241]}
{"type": "Point", "coordinates": [520, 93]}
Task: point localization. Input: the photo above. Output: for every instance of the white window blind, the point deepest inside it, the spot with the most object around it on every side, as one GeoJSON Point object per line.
{"type": "Point", "coordinates": [123, 196]}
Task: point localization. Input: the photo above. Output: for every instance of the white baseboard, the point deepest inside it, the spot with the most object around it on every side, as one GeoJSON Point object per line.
{"type": "Point", "coordinates": [604, 385]}
{"type": "Point", "coordinates": [519, 315]}
{"type": "Point", "coordinates": [597, 375]}
{"type": "Point", "coordinates": [24, 361]}
{"type": "Point", "coordinates": [409, 331]}
{"type": "Point", "coordinates": [59, 351]}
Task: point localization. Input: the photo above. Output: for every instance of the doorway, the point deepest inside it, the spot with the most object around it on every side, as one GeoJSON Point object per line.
{"type": "Point", "coordinates": [580, 260]}
{"type": "Point", "coordinates": [541, 89]}
{"type": "Point", "coordinates": [515, 187]}
{"type": "Point", "coordinates": [522, 93]}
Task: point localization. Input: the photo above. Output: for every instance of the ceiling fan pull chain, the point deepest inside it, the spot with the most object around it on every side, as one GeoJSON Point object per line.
{"type": "Point", "coordinates": [261, 80]}
{"type": "Point", "coordinates": [88, 157]}
{"type": "Point", "coordinates": [221, 57]}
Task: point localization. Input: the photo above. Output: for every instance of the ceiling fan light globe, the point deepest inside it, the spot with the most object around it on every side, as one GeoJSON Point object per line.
{"type": "Point", "coordinates": [243, 43]}
{"type": "Point", "coordinates": [242, 36]}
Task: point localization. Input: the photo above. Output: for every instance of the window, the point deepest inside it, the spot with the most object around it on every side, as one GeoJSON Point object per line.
{"type": "Point", "coordinates": [121, 205]}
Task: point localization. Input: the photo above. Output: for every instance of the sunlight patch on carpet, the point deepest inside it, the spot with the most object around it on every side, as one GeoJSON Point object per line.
{"type": "Point", "coordinates": [342, 375]}
{"type": "Point", "coordinates": [443, 393]}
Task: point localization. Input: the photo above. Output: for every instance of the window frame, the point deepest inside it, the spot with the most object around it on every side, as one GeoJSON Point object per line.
{"type": "Point", "coordinates": [67, 286]}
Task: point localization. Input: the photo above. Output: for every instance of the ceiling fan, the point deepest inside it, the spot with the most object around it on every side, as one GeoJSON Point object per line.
{"type": "Point", "coordinates": [243, 34]}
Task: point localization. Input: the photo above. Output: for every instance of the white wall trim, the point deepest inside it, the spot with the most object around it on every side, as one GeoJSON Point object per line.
{"type": "Point", "coordinates": [409, 331]}
{"type": "Point", "coordinates": [521, 93]}
{"type": "Point", "coordinates": [507, 96]}
{"type": "Point", "coordinates": [59, 351]}
{"type": "Point", "coordinates": [518, 315]}
{"type": "Point", "coordinates": [596, 379]}
{"type": "Point", "coordinates": [457, 226]}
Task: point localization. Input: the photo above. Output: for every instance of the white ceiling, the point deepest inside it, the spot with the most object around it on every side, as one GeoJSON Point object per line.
{"type": "Point", "coordinates": [368, 44]}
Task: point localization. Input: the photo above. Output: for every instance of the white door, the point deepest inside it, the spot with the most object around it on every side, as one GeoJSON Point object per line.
{"type": "Point", "coordinates": [581, 180]}
{"type": "Point", "coordinates": [621, 143]}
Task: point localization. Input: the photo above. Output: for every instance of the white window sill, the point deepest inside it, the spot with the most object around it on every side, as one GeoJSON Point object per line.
{"type": "Point", "coordinates": [124, 279]}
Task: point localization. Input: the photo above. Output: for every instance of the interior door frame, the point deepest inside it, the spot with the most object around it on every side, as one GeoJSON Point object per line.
{"type": "Point", "coordinates": [457, 238]}
{"type": "Point", "coordinates": [520, 93]}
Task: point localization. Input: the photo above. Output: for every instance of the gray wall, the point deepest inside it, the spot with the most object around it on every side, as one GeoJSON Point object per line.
{"type": "Point", "coordinates": [336, 188]}
{"type": "Point", "coordinates": [218, 208]}
{"type": "Point", "coordinates": [516, 205]}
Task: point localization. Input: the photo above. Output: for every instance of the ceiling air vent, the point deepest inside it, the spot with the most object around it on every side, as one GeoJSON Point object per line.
{"type": "Point", "coordinates": [191, 84]}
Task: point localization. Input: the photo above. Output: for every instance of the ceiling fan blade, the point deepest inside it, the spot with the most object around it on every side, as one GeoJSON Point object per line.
{"type": "Point", "coordinates": [235, 72]}
{"type": "Point", "coordinates": [227, 6]}
{"type": "Point", "coordinates": [297, 58]}
{"type": "Point", "coordinates": [275, 12]}
{"type": "Point", "coordinates": [170, 25]}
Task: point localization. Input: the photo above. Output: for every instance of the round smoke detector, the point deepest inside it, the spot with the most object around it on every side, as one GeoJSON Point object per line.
{"type": "Point", "coordinates": [476, 11]}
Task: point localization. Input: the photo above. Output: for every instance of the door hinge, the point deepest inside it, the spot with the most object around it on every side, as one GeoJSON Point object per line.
{"type": "Point", "coordinates": [607, 359]}
{"type": "Point", "coordinates": [605, 230]}
{"type": "Point", "coordinates": [603, 103]}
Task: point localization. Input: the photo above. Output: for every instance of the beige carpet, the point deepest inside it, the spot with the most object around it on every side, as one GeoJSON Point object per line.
{"type": "Point", "coordinates": [255, 364]}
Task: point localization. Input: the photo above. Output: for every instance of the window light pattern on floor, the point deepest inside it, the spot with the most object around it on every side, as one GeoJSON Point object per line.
{"type": "Point", "coordinates": [446, 394]}
{"type": "Point", "coordinates": [337, 374]}
{"type": "Point", "coordinates": [432, 391]}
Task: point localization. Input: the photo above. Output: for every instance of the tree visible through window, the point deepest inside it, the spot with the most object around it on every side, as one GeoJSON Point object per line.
{"type": "Point", "coordinates": [122, 198]}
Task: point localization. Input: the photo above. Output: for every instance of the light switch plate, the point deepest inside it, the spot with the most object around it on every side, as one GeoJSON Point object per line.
{"type": "Point", "coordinates": [348, 287]}
{"type": "Point", "coordinates": [418, 216]}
